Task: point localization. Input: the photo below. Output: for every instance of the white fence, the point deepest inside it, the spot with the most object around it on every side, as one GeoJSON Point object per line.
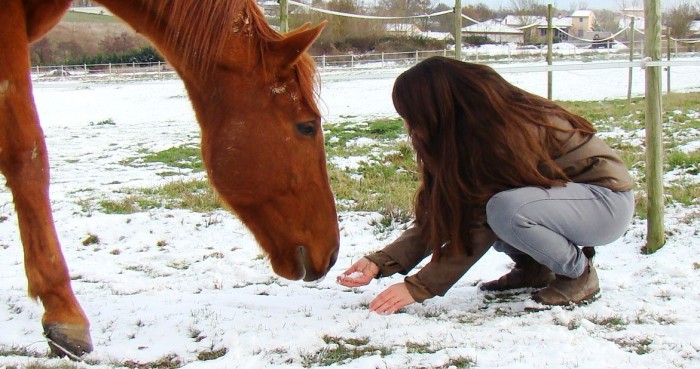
{"type": "Point", "coordinates": [498, 56]}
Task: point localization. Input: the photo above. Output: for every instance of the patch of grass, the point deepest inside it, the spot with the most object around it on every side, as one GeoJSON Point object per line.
{"type": "Point", "coordinates": [104, 122]}
{"type": "Point", "coordinates": [171, 361]}
{"type": "Point", "coordinates": [38, 365]}
{"type": "Point", "coordinates": [212, 354]}
{"type": "Point", "coordinates": [195, 195]}
{"type": "Point", "coordinates": [20, 351]}
{"type": "Point", "coordinates": [458, 363]}
{"type": "Point", "coordinates": [91, 239]}
{"type": "Point", "coordinates": [419, 348]}
{"type": "Point", "coordinates": [128, 205]}
{"type": "Point", "coordinates": [183, 157]}
{"type": "Point", "coordinates": [610, 322]}
{"type": "Point", "coordinates": [385, 184]}
{"type": "Point", "coordinates": [72, 16]}
{"type": "Point", "coordinates": [387, 129]}
{"type": "Point", "coordinates": [690, 162]}
{"type": "Point", "coordinates": [639, 346]}
{"type": "Point", "coordinates": [687, 194]}
{"type": "Point", "coordinates": [602, 112]}
{"type": "Point", "coordinates": [342, 350]}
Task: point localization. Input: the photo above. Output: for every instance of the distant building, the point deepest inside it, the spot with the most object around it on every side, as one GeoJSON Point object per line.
{"type": "Point", "coordinates": [694, 29]}
{"type": "Point", "coordinates": [626, 16]}
{"type": "Point", "coordinates": [582, 21]}
{"type": "Point", "coordinates": [495, 31]}
{"type": "Point", "coordinates": [271, 8]}
{"type": "Point", "coordinates": [535, 27]}
{"type": "Point", "coordinates": [83, 3]}
{"type": "Point", "coordinates": [403, 29]}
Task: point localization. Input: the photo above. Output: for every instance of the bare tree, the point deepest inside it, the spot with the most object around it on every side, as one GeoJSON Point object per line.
{"type": "Point", "coordinates": [42, 52]}
{"type": "Point", "coordinates": [404, 7]}
{"type": "Point", "coordinates": [606, 20]}
{"type": "Point", "coordinates": [630, 4]}
{"type": "Point", "coordinates": [679, 18]}
{"type": "Point", "coordinates": [528, 12]}
{"type": "Point", "coordinates": [68, 50]}
{"type": "Point", "coordinates": [579, 5]}
{"type": "Point", "coordinates": [117, 44]}
{"type": "Point", "coordinates": [479, 12]}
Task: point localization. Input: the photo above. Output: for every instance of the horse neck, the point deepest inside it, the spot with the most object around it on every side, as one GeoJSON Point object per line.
{"type": "Point", "coordinates": [187, 33]}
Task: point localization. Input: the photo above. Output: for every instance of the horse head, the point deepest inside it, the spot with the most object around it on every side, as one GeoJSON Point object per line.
{"type": "Point", "coordinates": [263, 147]}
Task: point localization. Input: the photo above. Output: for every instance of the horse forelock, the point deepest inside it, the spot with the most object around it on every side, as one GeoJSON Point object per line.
{"type": "Point", "coordinates": [305, 67]}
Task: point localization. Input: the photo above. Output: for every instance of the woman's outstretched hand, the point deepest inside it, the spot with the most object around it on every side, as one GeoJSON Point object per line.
{"type": "Point", "coordinates": [359, 274]}
{"type": "Point", "coordinates": [391, 299]}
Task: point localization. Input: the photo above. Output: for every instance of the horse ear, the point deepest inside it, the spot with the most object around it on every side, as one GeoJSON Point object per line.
{"type": "Point", "coordinates": [295, 43]}
{"type": "Point", "coordinates": [301, 28]}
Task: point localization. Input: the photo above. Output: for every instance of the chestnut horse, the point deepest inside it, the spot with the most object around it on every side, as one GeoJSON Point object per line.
{"type": "Point", "coordinates": [253, 91]}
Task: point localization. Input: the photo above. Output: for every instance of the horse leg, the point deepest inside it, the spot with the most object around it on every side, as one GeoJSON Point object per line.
{"type": "Point", "coordinates": [24, 163]}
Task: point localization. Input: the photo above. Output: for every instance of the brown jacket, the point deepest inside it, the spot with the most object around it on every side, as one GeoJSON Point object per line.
{"type": "Point", "coordinates": [583, 157]}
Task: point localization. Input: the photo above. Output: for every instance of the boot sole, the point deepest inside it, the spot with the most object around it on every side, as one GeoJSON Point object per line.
{"type": "Point", "coordinates": [537, 306]}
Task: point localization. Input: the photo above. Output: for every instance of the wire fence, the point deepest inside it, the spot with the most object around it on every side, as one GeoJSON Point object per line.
{"type": "Point", "coordinates": [502, 54]}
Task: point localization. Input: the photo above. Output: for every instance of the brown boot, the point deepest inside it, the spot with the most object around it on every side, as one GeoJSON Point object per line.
{"type": "Point", "coordinates": [526, 273]}
{"type": "Point", "coordinates": [571, 291]}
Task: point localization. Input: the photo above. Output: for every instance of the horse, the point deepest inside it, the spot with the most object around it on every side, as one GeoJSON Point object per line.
{"type": "Point", "coordinates": [254, 93]}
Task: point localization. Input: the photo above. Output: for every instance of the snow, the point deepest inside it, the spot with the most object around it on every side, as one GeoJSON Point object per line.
{"type": "Point", "coordinates": [165, 282]}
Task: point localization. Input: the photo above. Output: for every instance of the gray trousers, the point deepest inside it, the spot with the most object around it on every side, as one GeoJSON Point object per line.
{"type": "Point", "coordinates": [550, 224]}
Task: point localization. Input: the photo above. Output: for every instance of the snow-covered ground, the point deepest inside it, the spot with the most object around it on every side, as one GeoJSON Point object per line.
{"type": "Point", "coordinates": [175, 282]}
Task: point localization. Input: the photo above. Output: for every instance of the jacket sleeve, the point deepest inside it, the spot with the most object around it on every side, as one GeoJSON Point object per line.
{"type": "Point", "coordinates": [402, 255]}
{"type": "Point", "coordinates": [438, 276]}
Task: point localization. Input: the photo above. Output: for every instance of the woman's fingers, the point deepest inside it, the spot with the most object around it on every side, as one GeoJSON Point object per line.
{"type": "Point", "coordinates": [359, 274]}
{"type": "Point", "coordinates": [392, 299]}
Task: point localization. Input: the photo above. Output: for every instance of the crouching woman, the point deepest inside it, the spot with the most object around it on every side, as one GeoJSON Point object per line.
{"type": "Point", "coordinates": [505, 168]}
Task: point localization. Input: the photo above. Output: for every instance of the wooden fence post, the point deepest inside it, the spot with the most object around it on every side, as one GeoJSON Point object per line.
{"type": "Point", "coordinates": [550, 38]}
{"type": "Point", "coordinates": [629, 79]}
{"type": "Point", "coordinates": [654, 130]}
{"type": "Point", "coordinates": [458, 29]}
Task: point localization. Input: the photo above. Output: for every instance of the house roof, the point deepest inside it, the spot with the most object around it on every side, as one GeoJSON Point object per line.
{"type": "Point", "coordinates": [582, 13]}
{"type": "Point", "coordinates": [491, 26]}
{"type": "Point", "coordinates": [518, 21]}
{"type": "Point", "coordinates": [694, 26]}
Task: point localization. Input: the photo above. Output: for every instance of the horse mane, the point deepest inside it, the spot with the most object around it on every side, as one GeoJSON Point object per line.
{"type": "Point", "coordinates": [203, 27]}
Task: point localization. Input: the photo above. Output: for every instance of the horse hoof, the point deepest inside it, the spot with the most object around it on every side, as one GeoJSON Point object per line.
{"type": "Point", "coordinates": [68, 340]}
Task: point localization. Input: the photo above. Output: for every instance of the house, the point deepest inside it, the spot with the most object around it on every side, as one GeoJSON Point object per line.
{"type": "Point", "coordinates": [694, 29]}
{"type": "Point", "coordinates": [403, 29]}
{"type": "Point", "coordinates": [582, 21]}
{"type": "Point", "coordinates": [626, 18]}
{"type": "Point", "coordinates": [494, 31]}
{"type": "Point", "coordinates": [562, 27]}
{"type": "Point", "coordinates": [535, 27]}
{"type": "Point", "coordinates": [270, 8]}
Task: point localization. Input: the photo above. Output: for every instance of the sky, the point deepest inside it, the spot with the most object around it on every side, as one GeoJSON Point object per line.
{"type": "Point", "coordinates": [174, 283]}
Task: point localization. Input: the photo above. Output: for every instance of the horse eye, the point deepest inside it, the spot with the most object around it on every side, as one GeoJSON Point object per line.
{"type": "Point", "coordinates": [306, 128]}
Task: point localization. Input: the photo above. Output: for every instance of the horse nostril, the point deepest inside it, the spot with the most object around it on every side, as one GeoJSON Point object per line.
{"type": "Point", "coordinates": [334, 258]}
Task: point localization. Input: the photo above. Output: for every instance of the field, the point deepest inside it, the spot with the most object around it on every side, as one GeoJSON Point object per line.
{"type": "Point", "coordinates": [170, 280]}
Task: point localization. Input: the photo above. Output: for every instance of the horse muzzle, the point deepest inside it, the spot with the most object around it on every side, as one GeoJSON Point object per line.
{"type": "Point", "coordinates": [309, 272]}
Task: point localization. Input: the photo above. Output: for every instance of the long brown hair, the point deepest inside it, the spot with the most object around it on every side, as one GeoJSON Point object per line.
{"type": "Point", "coordinates": [474, 135]}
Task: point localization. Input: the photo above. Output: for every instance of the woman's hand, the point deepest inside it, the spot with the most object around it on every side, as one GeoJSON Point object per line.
{"type": "Point", "coordinates": [359, 274]}
{"type": "Point", "coordinates": [392, 299]}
